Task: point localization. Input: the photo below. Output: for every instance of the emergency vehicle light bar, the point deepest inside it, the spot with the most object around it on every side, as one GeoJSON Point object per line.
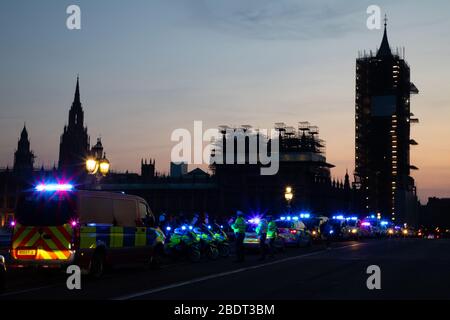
{"type": "Point", "coordinates": [54, 187]}
{"type": "Point", "coordinates": [255, 221]}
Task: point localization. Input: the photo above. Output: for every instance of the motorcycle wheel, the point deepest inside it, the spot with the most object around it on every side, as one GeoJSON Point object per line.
{"type": "Point", "coordinates": [194, 254]}
{"type": "Point", "coordinates": [213, 253]}
{"type": "Point", "coordinates": [224, 250]}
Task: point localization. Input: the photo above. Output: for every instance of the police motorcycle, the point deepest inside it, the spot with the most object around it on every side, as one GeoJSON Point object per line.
{"type": "Point", "coordinates": [221, 238]}
{"type": "Point", "coordinates": [208, 244]}
{"type": "Point", "coordinates": [182, 242]}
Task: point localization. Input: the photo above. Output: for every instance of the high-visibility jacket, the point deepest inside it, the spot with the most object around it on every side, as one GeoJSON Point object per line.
{"type": "Point", "coordinates": [262, 227]}
{"type": "Point", "coordinates": [272, 230]}
{"type": "Point", "coordinates": [239, 226]}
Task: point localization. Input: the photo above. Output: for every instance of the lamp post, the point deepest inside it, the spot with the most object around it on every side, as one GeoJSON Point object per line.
{"type": "Point", "coordinates": [98, 167]}
{"type": "Point", "coordinates": [288, 196]}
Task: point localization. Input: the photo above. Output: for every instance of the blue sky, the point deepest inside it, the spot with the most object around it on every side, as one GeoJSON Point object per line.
{"type": "Point", "coordinates": [148, 67]}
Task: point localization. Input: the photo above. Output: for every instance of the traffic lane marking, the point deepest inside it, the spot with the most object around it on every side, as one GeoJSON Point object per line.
{"type": "Point", "coordinates": [232, 272]}
{"type": "Point", "coordinates": [171, 266]}
{"type": "Point", "coordinates": [58, 284]}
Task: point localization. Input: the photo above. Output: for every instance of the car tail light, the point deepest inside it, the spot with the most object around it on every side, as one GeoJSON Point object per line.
{"type": "Point", "coordinates": [293, 231]}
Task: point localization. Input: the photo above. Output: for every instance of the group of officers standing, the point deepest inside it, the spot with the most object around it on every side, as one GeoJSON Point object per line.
{"type": "Point", "coordinates": [266, 230]}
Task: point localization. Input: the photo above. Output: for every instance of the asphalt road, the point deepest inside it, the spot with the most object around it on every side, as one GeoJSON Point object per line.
{"type": "Point", "coordinates": [410, 269]}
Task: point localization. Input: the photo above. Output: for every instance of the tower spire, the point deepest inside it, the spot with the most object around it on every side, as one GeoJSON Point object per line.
{"type": "Point", "coordinates": [24, 133]}
{"type": "Point", "coordinates": [385, 49]}
{"type": "Point", "coordinates": [77, 91]}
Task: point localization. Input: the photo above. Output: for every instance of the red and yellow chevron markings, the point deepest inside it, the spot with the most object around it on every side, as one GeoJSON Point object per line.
{"type": "Point", "coordinates": [42, 243]}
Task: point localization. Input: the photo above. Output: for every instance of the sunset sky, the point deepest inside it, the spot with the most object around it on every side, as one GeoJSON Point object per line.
{"type": "Point", "coordinates": [148, 67]}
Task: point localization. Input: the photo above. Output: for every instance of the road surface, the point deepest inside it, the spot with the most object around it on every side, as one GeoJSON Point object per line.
{"type": "Point", "coordinates": [410, 269]}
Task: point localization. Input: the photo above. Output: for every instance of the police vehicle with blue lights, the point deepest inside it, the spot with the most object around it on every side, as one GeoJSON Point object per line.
{"type": "Point", "coordinates": [372, 227]}
{"type": "Point", "coordinates": [336, 227]}
{"type": "Point", "coordinates": [313, 224]}
{"type": "Point", "coordinates": [351, 228]}
{"type": "Point", "coordinates": [57, 225]}
{"type": "Point", "coordinates": [293, 231]}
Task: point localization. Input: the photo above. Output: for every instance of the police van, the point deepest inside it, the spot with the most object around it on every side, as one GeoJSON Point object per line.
{"type": "Point", "coordinates": [57, 226]}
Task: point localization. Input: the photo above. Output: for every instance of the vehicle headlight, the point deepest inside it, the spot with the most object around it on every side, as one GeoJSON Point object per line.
{"type": "Point", "coordinates": [354, 231]}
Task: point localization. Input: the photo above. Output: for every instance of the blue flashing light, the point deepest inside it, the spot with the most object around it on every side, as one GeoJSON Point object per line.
{"type": "Point", "coordinates": [372, 216]}
{"type": "Point", "coordinates": [295, 218]}
{"type": "Point", "coordinates": [289, 218]}
{"type": "Point", "coordinates": [54, 187]}
{"type": "Point", "coordinates": [221, 227]}
{"type": "Point", "coordinates": [331, 231]}
{"type": "Point", "coordinates": [340, 217]}
{"type": "Point", "coordinates": [191, 227]}
{"type": "Point", "coordinates": [209, 227]}
{"type": "Point", "coordinates": [183, 228]}
{"type": "Point", "coordinates": [283, 218]}
{"type": "Point", "coordinates": [352, 218]}
{"type": "Point", "coordinates": [384, 223]}
{"type": "Point", "coordinates": [168, 228]}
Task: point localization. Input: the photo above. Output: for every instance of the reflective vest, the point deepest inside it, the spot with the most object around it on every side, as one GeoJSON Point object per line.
{"type": "Point", "coordinates": [239, 225]}
{"type": "Point", "coordinates": [262, 227]}
{"type": "Point", "coordinates": [272, 230]}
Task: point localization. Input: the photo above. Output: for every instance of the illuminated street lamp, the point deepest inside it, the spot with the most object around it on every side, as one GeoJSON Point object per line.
{"type": "Point", "coordinates": [95, 166]}
{"type": "Point", "coordinates": [288, 195]}
{"type": "Point", "coordinates": [91, 166]}
{"type": "Point", "coordinates": [104, 166]}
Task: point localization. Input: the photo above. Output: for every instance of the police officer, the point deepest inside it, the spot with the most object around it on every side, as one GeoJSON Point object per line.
{"type": "Point", "coordinates": [239, 226]}
{"type": "Point", "coordinates": [261, 231]}
{"type": "Point", "coordinates": [326, 232]}
{"type": "Point", "coordinates": [272, 232]}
